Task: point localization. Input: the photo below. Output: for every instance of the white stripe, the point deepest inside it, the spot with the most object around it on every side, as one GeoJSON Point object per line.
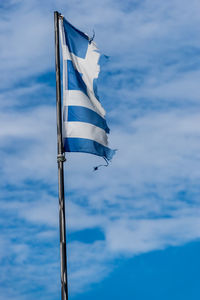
{"type": "Point", "coordinates": [65, 50]}
{"type": "Point", "coordinates": [78, 98]}
{"type": "Point", "coordinates": [85, 131]}
{"type": "Point", "coordinates": [87, 66]}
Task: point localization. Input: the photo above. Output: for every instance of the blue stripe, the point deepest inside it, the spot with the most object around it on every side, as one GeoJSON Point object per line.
{"type": "Point", "coordinates": [86, 115]}
{"type": "Point", "coordinates": [87, 146]}
{"type": "Point", "coordinates": [95, 89]}
{"type": "Point", "coordinates": [75, 81]}
{"type": "Point", "coordinates": [76, 40]}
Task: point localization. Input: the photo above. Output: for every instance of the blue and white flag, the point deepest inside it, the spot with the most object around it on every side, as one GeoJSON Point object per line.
{"type": "Point", "coordinates": [84, 125]}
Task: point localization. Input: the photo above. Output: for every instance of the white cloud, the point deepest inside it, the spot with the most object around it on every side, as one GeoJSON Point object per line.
{"type": "Point", "coordinates": [128, 200]}
{"type": "Point", "coordinates": [144, 235]}
{"type": "Point", "coordinates": [137, 200]}
{"type": "Point", "coordinates": [89, 268]}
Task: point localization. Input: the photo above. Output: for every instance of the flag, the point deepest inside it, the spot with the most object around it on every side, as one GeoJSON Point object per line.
{"type": "Point", "coordinates": [84, 125]}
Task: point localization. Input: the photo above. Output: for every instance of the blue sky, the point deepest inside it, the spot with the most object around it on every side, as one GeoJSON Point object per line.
{"type": "Point", "coordinates": [133, 228]}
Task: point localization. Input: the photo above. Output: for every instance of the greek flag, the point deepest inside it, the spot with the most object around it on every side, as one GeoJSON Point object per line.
{"type": "Point", "coordinates": [84, 125]}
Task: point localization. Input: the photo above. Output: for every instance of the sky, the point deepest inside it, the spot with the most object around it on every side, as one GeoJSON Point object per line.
{"type": "Point", "coordinates": [133, 228]}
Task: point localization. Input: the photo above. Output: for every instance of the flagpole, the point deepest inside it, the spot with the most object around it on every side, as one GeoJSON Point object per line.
{"type": "Point", "coordinates": [60, 160]}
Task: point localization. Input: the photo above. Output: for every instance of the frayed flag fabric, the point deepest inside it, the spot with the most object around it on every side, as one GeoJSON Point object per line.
{"type": "Point", "coordinates": [84, 125]}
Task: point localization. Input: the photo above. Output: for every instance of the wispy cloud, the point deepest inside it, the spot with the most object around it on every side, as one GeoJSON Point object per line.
{"type": "Point", "coordinates": [147, 199]}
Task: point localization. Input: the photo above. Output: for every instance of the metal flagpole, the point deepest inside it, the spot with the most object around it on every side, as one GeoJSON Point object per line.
{"type": "Point", "coordinates": [60, 160]}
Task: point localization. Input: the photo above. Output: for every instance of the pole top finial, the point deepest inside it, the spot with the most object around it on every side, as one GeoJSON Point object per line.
{"type": "Point", "coordinates": [57, 13]}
